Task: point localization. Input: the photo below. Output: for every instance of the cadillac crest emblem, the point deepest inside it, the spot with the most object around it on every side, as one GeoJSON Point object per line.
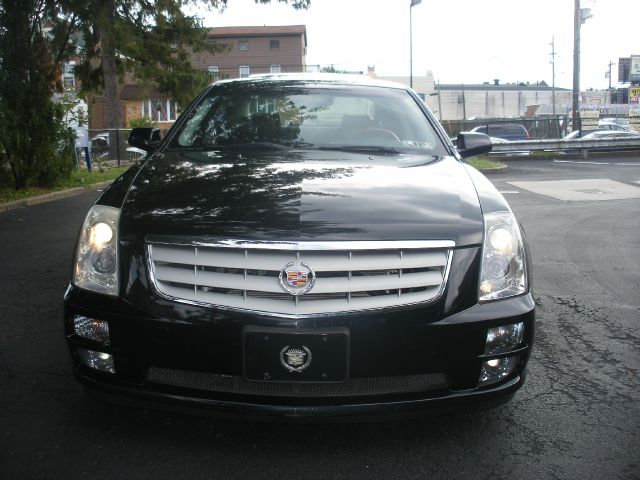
{"type": "Point", "coordinates": [295, 359]}
{"type": "Point", "coordinates": [297, 278]}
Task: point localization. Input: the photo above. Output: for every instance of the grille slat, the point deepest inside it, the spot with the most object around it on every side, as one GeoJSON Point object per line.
{"type": "Point", "coordinates": [288, 307]}
{"type": "Point", "coordinates": [350, 388]}
{"type": "Point", "coordinates": [271, 284]}
{"type": "Point", "coordinates": [348, 280]}
{"type": "Point", "coordinates": [218, 280]}
{"type": "Point", "coordinates": [323, 261]}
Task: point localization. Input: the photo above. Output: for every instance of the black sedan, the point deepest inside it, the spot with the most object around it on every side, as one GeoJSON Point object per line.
{"type": "Point", "coordinates": [302, 246]}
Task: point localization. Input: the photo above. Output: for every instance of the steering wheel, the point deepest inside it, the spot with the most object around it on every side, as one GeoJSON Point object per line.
{"type": "Point", "coordinates": [366, 131]}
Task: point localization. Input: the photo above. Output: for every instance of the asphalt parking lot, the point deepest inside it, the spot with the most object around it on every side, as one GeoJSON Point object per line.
{"type": "Point", "coordinates": [578, 415]}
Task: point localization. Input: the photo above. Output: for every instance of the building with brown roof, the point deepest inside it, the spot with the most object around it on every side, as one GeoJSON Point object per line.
{"type": "Point", "coordinates": [273, 49]}
{"type": "Point", "coordinates": [266, 49]}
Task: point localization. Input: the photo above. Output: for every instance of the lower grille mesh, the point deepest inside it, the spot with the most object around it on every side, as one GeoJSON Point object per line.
{"type": "Point", "coordinates": [349, 388]}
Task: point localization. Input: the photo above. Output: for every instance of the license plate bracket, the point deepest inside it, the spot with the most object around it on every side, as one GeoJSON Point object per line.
{"type": "Point", "coordinates": [295, 355]}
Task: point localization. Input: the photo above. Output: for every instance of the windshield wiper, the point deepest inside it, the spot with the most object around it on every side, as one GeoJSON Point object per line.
{"type": "Point", "coordinates": [360, 149]}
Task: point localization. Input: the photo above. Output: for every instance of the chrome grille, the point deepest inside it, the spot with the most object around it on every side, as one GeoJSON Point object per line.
{"type": "Point", "coordinates": [350, 388]}
{"type": "Point", "coordinates": [350, 276]}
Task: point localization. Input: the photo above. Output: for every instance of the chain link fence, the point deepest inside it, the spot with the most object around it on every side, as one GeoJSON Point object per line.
{"type": "Point", "coordinates": [109, 148]}
{"type": "Point", "coordinates": [537, 128]}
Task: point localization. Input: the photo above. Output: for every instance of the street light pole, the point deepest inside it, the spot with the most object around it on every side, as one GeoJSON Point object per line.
{"type": "Point", "coordinates": [575, 111]}
{"type": "Point", "coordinates": [413, 3]}
{"type": "Point", "coordinates": [553, 75]}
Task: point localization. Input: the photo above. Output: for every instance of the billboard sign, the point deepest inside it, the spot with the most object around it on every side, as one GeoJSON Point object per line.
{"type": "Point", "coordinates": [634, 95]}
{"type": "Point", "coordinates": [634, 71]}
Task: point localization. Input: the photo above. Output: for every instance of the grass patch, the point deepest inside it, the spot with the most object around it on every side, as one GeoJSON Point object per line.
{"type": "Point", "coordinates": [484, 164]}
{"type": "Point", "coordinates": [80, 178]}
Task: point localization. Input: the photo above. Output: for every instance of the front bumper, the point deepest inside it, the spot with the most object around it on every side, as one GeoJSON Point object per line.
{"type": "Point", "coordinates": [390, 345]}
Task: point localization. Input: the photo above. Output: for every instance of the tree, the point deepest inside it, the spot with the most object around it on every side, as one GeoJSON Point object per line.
{"type": "Point", "coordinates": [151, 39]}
{"type": "Point", "coordinates": [36, 143]}
{"type": "Point", "coordinates": [332, 69]}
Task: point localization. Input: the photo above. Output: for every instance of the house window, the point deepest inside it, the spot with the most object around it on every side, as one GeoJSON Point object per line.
{"type": "Point", "coordinates": [275, 69]}
{"type": "Point", "coordinates": [243, 45]}
{"type": "Point", "coordinates": [69, 82]}
{"type": "Point", "coordinates": [160, 110]}
{"type": "Point", "coordinates": [214, 70]}
{"type": "Point", "coordinates": [274, 44]}
{"type": "Point", "coordinates": [262, 105]}
{"type": "Point", "coordinates": [68, 77]}
{"type": "Point", "coordinates": [245, 71]}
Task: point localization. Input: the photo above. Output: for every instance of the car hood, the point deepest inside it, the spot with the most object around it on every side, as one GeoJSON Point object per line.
{"type": "Point", "coordinates": [302, 195]}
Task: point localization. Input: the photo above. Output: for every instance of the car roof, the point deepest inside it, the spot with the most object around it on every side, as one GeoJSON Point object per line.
{"type": "Point", "coordinates": [331, 78]}
{"type": "Point", "coordinates": [602, 122]}
{"type": "Point", "coordinates": [606, 133]}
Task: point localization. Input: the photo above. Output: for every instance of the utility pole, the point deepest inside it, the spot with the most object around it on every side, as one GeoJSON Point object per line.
{"type": "Point", "coordinates": [580, 15]}
{"type": "Point", "coordinates": [413, 4]}
{"type": "Point", "coordinates": [576, 125]}
{"type": "Point", "coordinates": [611, 64]}
{"type": "Point", "coordinates": [439, 102]}
{"type": "Point", "coordinates": [464, 105]}
{"type": "Point", "coordinates": [553, 74]}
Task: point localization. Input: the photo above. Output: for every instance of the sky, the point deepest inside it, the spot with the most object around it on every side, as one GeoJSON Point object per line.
{"type": "Point", "coordinates": [460, 41]}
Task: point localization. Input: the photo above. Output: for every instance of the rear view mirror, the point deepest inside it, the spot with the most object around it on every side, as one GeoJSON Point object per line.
{"type": "Point", "coordinates": [145, 138]}
{"type": "Point", "coordinates": [470, 144]}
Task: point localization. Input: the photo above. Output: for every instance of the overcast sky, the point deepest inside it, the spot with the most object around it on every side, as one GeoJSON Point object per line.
{"type": "Point", "coordinates": [468, 41]}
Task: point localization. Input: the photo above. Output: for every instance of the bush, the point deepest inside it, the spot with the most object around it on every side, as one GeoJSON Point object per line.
{"type": "Point", "coordinates": [141, 122]}
{"type": "Point", "coordinates": [37, 144]}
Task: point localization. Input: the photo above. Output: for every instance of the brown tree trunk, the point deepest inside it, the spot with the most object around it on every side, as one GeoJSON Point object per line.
{"type": "Point", "coordinates": [109, 68]}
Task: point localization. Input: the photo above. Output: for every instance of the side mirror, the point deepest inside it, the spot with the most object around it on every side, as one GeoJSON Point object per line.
{"type": "Point", "coordinates": [470, 144]}
{"type": "Point", "coordinates": [145, 138]}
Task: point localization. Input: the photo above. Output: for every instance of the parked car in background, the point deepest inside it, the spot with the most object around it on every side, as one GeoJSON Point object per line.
{"type": "Point", "coordinates": [101, 150]}
{"type": "Point", "coordinates": [611, 126]}
{"type": "Point", "coordinates": [506, 131]}
{"type": "Point", "coordinates": [604, 134]}
{"type": "Point", "coordinates": [619, 121]}
{"type": "Point", "coordinates": [600, 134]}
{"type": "Point", "coordinates": [303, 246]}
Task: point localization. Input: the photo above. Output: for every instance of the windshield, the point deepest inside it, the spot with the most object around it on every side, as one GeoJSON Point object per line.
{"type": "Point", "coordinates": [281, 115]}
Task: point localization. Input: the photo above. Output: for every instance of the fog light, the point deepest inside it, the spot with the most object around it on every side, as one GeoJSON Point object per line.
{"type": "Point", "coordinates": [493, 371]}
{"type": "Point", "coordinates": [97, 360]}
{"type": "Point", "coordinates": [504, 339]}
{"type": "Point", "coordinates": [91, 329]}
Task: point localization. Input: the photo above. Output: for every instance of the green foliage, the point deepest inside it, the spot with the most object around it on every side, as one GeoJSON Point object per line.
{"type": "Point", "coordinates": [153, 39]}
{"type": "Point", "coordinates": [485, 163]}
{"type": "Point", "coordinates": [141, 122]}
{"type": "Point", "coordinates": [36, 143]}
{"type": "Point", "coordinates": [330, 69]}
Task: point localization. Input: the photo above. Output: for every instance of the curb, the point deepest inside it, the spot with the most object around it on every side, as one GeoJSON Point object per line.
{"type": "Point", "coordinates": [50, 197]}
{"type": "Point", "coordinates": [491, 171]}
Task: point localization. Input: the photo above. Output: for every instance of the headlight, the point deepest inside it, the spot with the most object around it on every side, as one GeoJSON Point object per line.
{"type": "Point", "coordinates": [96, 265]}
{"type": "Point", "coordinates": [503, 264]}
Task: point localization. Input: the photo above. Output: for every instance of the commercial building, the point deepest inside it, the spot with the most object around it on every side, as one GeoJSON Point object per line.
{"type": "Point", "coordinates": [487, 100]}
